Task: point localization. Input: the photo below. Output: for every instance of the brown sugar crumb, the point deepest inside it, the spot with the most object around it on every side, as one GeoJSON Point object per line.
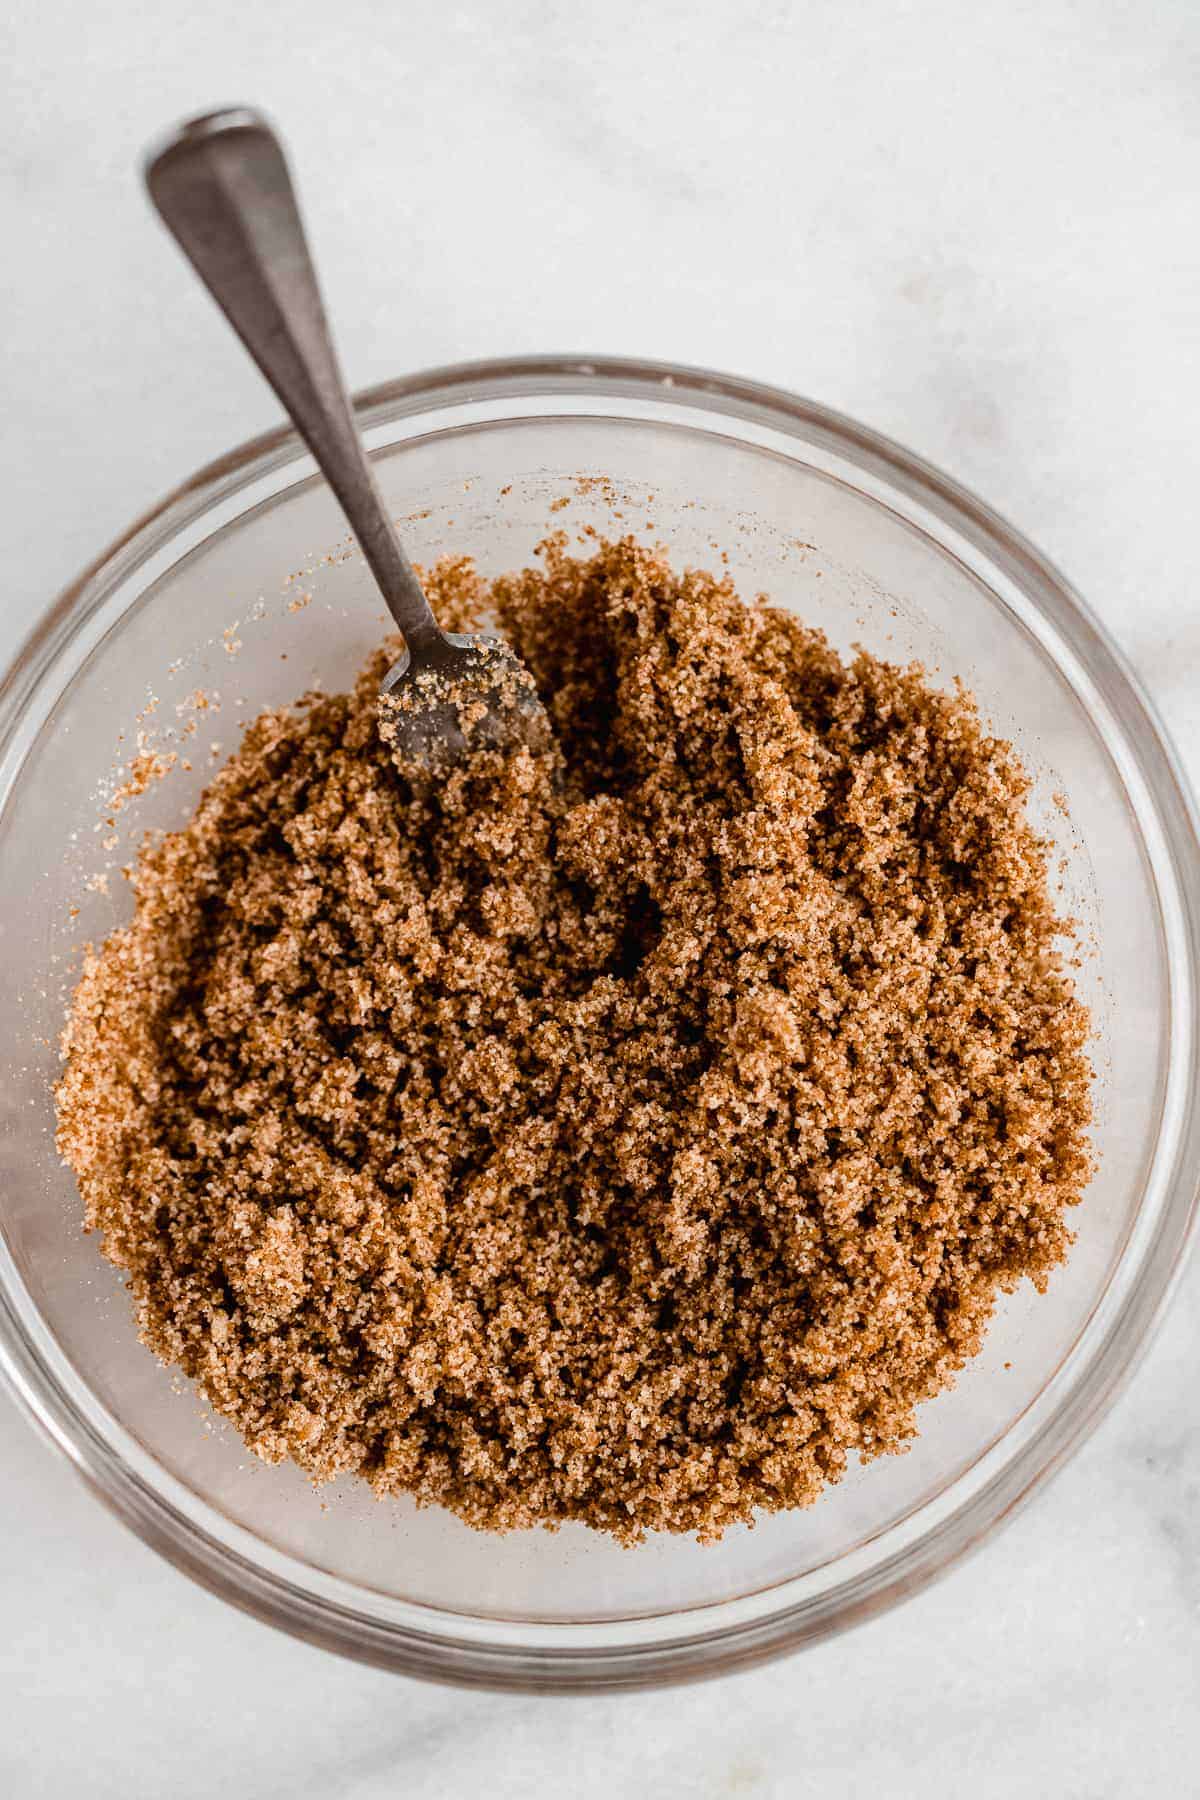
{"type": "Point", "coordinates": [148, 766]}
{"type": "Point", "coordinates": [197, 701]}
{"type": "Point", "coordinates": [631, 1129]}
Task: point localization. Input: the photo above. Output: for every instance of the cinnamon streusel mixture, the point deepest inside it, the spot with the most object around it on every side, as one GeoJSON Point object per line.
{"type": "Point", "coordinates": [627, 1131]}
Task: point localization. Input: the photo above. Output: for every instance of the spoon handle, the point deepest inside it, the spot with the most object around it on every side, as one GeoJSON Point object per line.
{"type": "Point", "coordinates": [222, 186]}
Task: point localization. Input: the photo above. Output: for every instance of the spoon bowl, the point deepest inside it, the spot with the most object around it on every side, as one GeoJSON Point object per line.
{"type": "Point", "coordinates": [469, 692]}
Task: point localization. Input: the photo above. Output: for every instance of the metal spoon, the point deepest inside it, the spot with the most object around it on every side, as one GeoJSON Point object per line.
{"type": "Point", "coordinates": [221, 184]}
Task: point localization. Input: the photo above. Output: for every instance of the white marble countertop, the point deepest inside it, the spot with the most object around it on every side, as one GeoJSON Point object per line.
{"type": "Point", "coordinates": [975, 227]}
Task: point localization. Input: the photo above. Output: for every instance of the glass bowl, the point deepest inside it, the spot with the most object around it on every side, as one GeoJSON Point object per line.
{"type": "Point", "coordinates": [243, 585]}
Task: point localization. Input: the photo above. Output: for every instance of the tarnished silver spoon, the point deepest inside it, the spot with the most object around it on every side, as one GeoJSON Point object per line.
{"type": "Point", "coordinates": [221, 185]}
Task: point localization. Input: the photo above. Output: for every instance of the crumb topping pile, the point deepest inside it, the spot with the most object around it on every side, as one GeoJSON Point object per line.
{"type": "Point", "coordinates": [627, 1129]}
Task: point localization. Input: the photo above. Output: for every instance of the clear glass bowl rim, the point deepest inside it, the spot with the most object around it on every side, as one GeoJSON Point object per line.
{"type": "Point", "coordinates": [715, 1640]}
